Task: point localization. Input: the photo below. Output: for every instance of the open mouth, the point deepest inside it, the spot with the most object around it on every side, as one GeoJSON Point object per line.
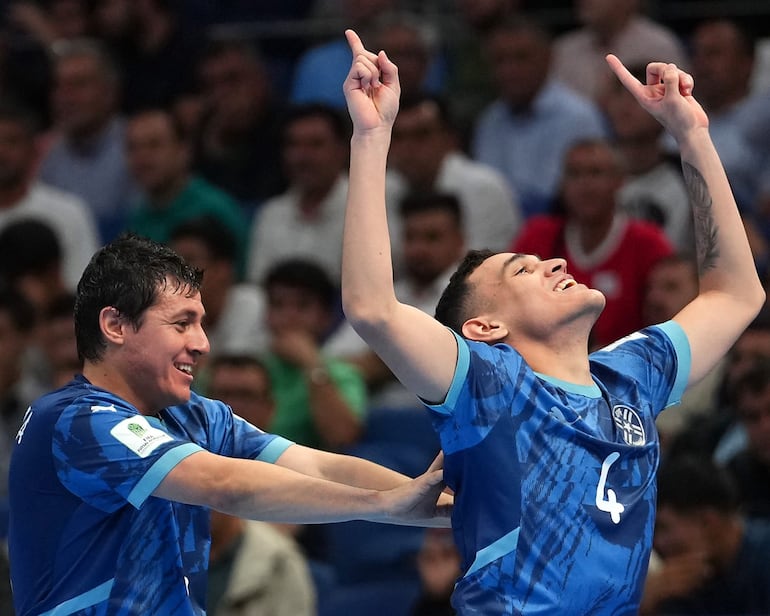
{"type": "Point", "coordinates": [186, 368]}
{"type": "Point", "coordinates": [565, 284]}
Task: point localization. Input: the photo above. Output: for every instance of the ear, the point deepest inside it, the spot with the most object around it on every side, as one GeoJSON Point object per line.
{"type": "Point", "coordinates": [484, 330]}
{"type": "Point", "coordinates": [112, 325]}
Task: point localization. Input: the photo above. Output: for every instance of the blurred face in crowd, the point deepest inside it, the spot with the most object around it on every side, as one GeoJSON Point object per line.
{"type": "Point", "coordinates": [603, 14]}
{"type": "Point", "coordinates": [17, 152]}
{"type": "Point", "coordinates": [246, 388]}
{"type": "Point", "coordinates": [291, 308]}
{"type": "Point", "coordinates": [420, 143]}
{"type": "Point", "coordinates": [13, 342]}
{"type": "Point", "coordinates": [592, 177]}
{"type": "Point", "coordinates": [408, 51]}
{"type": "Point", "coordinates": [235, 88]}
{"type": "Point", "coordinates": [629, 120]}
{"type": "Point", "coordinates": [671, 285]}
{"type": "Point", "coordinates": [520, 60]}
{"type": "Point", "coordinates": [157, 156]}
{"type": "Point", "coordinates": [722, 65]}
{"type": "Point", "coordinates": [753, 408]}
{"type": "Point", "coordinates": [433, 242]}
{"type": "Point", "coordinates": [678, 533]}
{"type": "Point", "coordinates": [314, 156]}
{"type": "Point", "coordinates": [84, 95]}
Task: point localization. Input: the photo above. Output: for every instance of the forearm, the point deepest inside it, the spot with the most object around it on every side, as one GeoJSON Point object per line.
{"type": "Point", "coordinates": [725, 261]}
{"type": "Point", "coordinates": [367, 271]}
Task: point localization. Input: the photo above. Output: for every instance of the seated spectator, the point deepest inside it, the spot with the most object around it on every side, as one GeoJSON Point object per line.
{"type": "Point", "coordinates": [305, 221]}
{"type": "Point", "coordinates": [604, 249]}
{"type": "Point", "coordinates": [234, 311]}
{"type": "Point", "coordinates": [750, 468]}
{"type": "Point", "coordinates": [526, 132]}
{"type": "Point", "coordinates": [433, 244]}
{"type": "Point", "coordinates": [320, 71]}
{"type": "Point", "coordinates": [438, 564]}
{"type": "Point", "coordinates": [720, 434]}
{"type": "Point", "coordinates": [22, 197]}
{"type": "Point", "coordinates": [35, 274]}
{"type": "Point", "coordinates": [424, 153]}
{"type": "Point", "coordinates": [672, 283]}
{"type": "Point", "coordinates": [159, 158]}
{"type": "Point", "coordinates": [238, 135]}
{"type": "Point", "coordinates": [86, 151]}
{"type": "Point", "coordinates": [320, 402]}
{"type": "Point", "coordinates": [411, 42]}
{"type": "Point", "coordinates": [714, 561]}
{"type": "Point", "coordinates": [616, 27]}
{"type": "Point", "coordinates": [54, 359]}
{"type": "Point", "coordinates": [17, 388]}
{"type": "Point", "coordinates": [254, 568]}
{"type": "Point", "coordinates": [723, 55]}
{"type": "Point", "coordinates": [654, 189]}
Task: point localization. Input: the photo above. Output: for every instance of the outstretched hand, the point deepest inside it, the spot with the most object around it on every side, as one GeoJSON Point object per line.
{"type": "Point", "coordinates": [667, 95]}
{"type": "Point", "coordinates": [371, 87]}
{"type": "Point", "coordinates": [422, 501]}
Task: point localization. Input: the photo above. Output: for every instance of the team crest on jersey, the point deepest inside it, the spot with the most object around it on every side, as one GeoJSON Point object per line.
{"type": "Point", "coordinates": [630, 425]}
{"type": "Point", "coordinates": [139, 436]}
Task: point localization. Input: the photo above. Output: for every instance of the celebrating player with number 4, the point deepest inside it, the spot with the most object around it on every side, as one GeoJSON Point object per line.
{"type": "Point", "coordinates": [551, 451]}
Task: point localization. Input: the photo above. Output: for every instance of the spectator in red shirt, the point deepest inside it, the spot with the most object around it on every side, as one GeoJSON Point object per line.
{"type": "Point", "coordinates": [604, 248]}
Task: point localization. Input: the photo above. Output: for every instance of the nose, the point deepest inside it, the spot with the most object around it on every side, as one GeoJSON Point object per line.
{"type": "Point", "coordinates": [199, 342]}
{"type": "Point", "coordinates": [553, 266]}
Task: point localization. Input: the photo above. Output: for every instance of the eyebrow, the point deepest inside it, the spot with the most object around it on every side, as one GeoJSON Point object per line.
{"type": "Point", "coordinates": [516, 257]}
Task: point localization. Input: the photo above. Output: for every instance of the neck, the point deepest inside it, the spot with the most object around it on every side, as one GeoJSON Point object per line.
{"type": "Point", "coordinates": [111, 380]}
{"type": "Point", "coordinates": [563, 357]}
{"type": "Point", "coordinates": [311, 198]}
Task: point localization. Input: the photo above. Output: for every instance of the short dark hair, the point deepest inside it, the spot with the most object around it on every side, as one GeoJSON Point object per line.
{"type": "Point", "coordinates": [454, 306]}
{"type": "Point", "coordinates": [688, 483]}
{"type": "Point", "coordinates": [419, 99]}
{"type": "Point", "coordinates": [303, 274]}
{"type": "Point", "coordinates": [419, 202]}
{"type": "Point", "coordinates": [28, 246]}
{"type": "Point", "coordinates": [219, 240]}
{"type": "Point", "coordinates": [13, 113]}
{"type": "Point", "coordinates": [128, 274]}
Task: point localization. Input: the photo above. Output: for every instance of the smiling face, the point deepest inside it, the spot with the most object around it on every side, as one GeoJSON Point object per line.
{"type": "Point", "coordinates": [156, 360]}
{"type": "Point", "coordinates": [531, 298]}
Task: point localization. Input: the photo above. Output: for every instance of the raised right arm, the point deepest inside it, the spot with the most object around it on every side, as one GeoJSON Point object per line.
{"type": "Point", "coordinates": [420, 351]}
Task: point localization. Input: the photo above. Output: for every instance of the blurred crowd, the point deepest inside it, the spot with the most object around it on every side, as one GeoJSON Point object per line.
{"type": "Point", "coordinates": [220, 129]}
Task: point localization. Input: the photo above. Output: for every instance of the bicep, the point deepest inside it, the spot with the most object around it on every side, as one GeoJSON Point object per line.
{"type": "Point", "coordinates": [419, 350]}
{"type": "Point", "coordinates": [712, 322]}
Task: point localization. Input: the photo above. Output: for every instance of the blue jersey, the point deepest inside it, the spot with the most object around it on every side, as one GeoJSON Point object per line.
{"type": "Point", "coordinates": [554, 482]}
{"type": "Point", "coordinates": [86, 537]}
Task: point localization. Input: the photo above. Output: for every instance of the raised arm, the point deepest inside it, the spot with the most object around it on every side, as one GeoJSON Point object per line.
{"type": "Point", "coordinates": [730, 293]}
{"type": "Point", "coordinates": [419, 350]}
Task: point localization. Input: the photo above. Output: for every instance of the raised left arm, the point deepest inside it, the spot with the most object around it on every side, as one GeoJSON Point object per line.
{"type": "Point", "coordinates": [731, 293]}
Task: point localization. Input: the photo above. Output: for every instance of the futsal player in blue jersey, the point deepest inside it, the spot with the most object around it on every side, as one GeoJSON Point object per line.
{"type": "Point", "coordinates": [551, 452]}
{"type": "Point", "coordinates": [112, 476]}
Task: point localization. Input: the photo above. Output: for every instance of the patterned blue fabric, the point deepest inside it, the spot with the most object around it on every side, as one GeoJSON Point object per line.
{"type": "Point", "coordinates": [554, 482]}
{"type": "Point", "coordinates": [86, 536]}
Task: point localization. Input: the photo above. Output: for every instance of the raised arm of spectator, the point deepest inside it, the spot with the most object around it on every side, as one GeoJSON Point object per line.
{"type": "Point", "coordinates": [416, 347]}
{"type": "Point", "coordinates": [731, 293]}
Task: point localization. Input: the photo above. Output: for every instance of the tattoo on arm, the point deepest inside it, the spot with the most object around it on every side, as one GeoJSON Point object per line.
{"type": "Point", "coordinates": [705, 229]}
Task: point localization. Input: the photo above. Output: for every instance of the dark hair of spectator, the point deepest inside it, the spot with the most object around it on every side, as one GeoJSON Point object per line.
{"type": "Point", "coordinates": [305, 275]}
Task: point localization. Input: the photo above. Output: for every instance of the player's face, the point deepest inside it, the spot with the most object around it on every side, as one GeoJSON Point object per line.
{"type": "Point", "coordinates": [534, 298]}
{"type": "Point", "coordinates": [161, 355]}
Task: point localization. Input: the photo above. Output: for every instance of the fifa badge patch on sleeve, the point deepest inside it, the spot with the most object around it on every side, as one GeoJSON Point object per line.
{"type": "Point", "coordinates": [139, 436]}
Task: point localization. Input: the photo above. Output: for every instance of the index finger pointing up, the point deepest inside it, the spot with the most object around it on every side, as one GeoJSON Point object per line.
{"type": "Point", "coordinates": [357, 47]}
{"type": "Point", "coordinates": [631, 83]}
